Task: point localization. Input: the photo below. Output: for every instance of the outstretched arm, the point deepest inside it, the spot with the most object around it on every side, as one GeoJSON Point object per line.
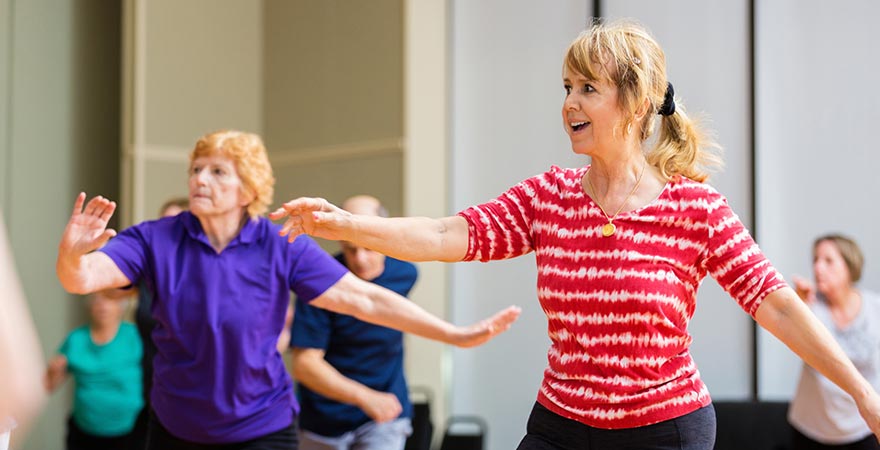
{"type": "Point", "coordinates": [375, 304]}
{"type": "Point", "coordinates": [80, 269]}
{"type": "Point", "coordinates": [784, 315]}
{"type": "Point", "coordinates": [312, 370]}
{"type": "Point", "coordinates": [407, 238]}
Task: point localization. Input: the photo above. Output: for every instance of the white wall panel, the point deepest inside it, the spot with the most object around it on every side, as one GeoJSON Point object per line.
{"type": "Point", "coordinates": [506, 122]}
{"type": "Point", "coordinates": [817, 154]}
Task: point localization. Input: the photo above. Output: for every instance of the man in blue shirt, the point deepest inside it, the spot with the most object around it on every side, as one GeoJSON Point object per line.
{"type": "Point", "coordinates": [352, 389]}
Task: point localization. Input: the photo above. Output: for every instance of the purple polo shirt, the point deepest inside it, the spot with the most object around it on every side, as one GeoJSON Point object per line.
{"type": "Point", "coordinates": [218, 377]}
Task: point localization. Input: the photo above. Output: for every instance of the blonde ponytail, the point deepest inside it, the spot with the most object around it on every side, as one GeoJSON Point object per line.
{"type": "Point", "coordinates": [684, 148]}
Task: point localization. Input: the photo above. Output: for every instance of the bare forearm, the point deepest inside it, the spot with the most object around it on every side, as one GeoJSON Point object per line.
{"type": "Point", "coordinates": [412, 238]}
{"type": "Point", "coordinates": [84, 274]}
{"type": "Point", "coordinates": [73, 273]}
{"type": "Point", "coordinates": [785, 316]}
{"type": "Point", "coordinates": [371, 303]}
{"type": "Point", "coordinates": [381, 307]}
{"type": "Point", "coordinates": [319, 376]}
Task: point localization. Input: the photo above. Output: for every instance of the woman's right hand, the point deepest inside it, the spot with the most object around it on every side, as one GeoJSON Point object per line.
{"type": "Point", "coordinates": [87, 230]}
{"type": "Point", "coordinates": [313, 216]}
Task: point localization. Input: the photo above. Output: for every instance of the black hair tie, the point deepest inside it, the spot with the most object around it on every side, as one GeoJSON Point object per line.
{"type": "Point", "coordinates": [668, 106]}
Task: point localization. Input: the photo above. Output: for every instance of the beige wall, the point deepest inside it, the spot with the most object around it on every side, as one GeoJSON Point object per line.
{"type": "Point", "coordinates": [59, 109]}
{"type": "Point", "coordinates": [192, 67]}
{"type": "Point", "coordinates": [426, 182]}
{"type": "Point", "coordinates": [321, 80]}
{"type": "Point", "coordinates": [333, 99]}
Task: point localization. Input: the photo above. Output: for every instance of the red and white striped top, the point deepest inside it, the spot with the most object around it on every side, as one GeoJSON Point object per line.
{"type": "Point", "coordinates": [618, 307]}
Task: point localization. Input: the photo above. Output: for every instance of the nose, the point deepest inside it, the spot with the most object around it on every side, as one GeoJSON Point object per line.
{"type": "Point", "coordinates": [202, 177]}
{"type": "Point", "coordinates": [569, 104]}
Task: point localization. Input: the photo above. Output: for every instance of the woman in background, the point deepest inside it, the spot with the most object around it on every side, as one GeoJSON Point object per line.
{"type": "Point", "coordinates": [104, 359]}
{"type": "Point", "coordinates": [822, 415]}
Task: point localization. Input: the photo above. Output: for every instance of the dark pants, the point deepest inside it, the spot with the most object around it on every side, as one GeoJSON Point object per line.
{"type": "Point", "coordinates": [138, 438]}
{"type": "Point", "coordinates": [77, 439]}
{"type": "Point", "coordinates": [801, 442]}
{"type": "Point", "coordinates": [158, 438]}
{"type": "Point", "coordinates": [549, 431]}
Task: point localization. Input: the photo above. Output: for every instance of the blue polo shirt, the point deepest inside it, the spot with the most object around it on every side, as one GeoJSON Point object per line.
{"type": "Point", "coordinates": [217, 375]}
{"type": "Point", "coordinates": [369, 354]}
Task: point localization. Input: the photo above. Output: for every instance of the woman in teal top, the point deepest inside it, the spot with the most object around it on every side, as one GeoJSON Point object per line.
{"type": "Point", "coordinates": [104, 359]}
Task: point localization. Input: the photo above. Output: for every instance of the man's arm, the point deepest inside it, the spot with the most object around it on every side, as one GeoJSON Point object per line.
{"type": "Point", "coordinates": [313, 371]}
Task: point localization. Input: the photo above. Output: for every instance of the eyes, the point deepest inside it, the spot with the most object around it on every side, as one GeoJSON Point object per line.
{"type": "Point", "coordinates": [585, 89]}
{"type": "Point", "coordinates": [216, 171]}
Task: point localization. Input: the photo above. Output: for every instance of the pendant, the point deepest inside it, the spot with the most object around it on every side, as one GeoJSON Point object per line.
{"type": "Point", "coordinates": [608, 229]}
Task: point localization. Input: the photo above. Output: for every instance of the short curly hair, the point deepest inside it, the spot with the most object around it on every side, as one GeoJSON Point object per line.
{"type": "Point", "coordinates": [251, 160]}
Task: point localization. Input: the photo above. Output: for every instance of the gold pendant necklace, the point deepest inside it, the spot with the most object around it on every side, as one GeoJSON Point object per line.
{"type": "Point", "coordinates": [608, 229]}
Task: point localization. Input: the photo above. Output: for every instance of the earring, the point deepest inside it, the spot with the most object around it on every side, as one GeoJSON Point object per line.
{"type": "Point", "coordinates": [629, 128]}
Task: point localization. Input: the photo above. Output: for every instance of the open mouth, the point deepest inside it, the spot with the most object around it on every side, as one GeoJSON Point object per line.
{"type": "Point", "coordinates": [578, 126]}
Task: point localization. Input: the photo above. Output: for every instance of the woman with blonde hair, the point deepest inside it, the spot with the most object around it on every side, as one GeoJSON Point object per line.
{"type": "Point", "coordinates": [221, 279]}
{"type": "Point", "coordinates": [621, 246]}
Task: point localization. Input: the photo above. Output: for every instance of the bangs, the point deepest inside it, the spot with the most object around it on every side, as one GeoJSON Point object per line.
{"type": "Point", "coordinates": [588, 55]}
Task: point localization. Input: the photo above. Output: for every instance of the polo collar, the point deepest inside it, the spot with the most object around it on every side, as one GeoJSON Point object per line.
{"type": "Point", "coordinates": [248, 234]}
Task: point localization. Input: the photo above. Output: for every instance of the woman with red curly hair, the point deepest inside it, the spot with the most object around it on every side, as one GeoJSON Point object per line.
{"type": "Point", "coordinates": [221, 278]}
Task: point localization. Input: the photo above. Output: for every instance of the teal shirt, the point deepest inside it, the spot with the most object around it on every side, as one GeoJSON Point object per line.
{"type": "Point", "coordinates": [108, 387]}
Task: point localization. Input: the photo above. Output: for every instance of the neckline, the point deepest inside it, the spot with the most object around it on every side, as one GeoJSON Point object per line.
{"type": "Point", "coordinates": [580, 184]}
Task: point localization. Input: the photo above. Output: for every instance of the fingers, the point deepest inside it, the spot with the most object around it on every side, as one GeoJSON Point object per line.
{"type": "Point", "coordinates": [78, 203]}
{"type": "Point", "coordinates": [305, 204]}
{"type": "Point", "coordinates": [298, 206]}
{"type": "Point", "coordinates": [99, 207]}
{"type": "Point", "coordinates": [292, 223]}
{"type": "Point", "coordinates": [108, 212]}
{"type": "Point", "coordinates": [502, 321]}
{"type": "Point", "coordinates": [104, 237]}
{"type": "Point", "coordinates": [487, 329]}
{"type": "Point", "coordinates": [278, 214]}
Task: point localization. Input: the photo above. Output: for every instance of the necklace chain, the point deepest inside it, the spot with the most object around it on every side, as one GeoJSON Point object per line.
{"type": "Point", "coordinates": [608, 229]}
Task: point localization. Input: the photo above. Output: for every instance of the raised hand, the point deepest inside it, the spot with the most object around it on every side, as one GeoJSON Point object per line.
{"type": "Point", "coordinates": [312, 216]}
{"type": "Point", "coordinates": [804, 288]}
{"type": "Point", "coordinates": [483, 331]}
{"type": "Point", "coordinates": [87, 230]}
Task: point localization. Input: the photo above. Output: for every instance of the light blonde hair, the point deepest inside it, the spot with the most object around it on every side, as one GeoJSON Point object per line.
{"type": "Point", "coordinates": [251, 160]}
{"type": "Point", "coordinates": [624, 53]}
{"type": "Point", "coordinates": [849, 250]}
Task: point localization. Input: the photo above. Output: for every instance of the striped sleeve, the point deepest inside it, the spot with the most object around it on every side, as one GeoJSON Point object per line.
{"type": "Point", "coordinates": [734, 259]}
{"type": "Point", "coordinates": [500, 228]}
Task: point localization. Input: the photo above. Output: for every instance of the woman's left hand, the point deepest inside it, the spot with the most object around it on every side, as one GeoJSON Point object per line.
{"type": "Point", "coordinates": [483, 331]}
